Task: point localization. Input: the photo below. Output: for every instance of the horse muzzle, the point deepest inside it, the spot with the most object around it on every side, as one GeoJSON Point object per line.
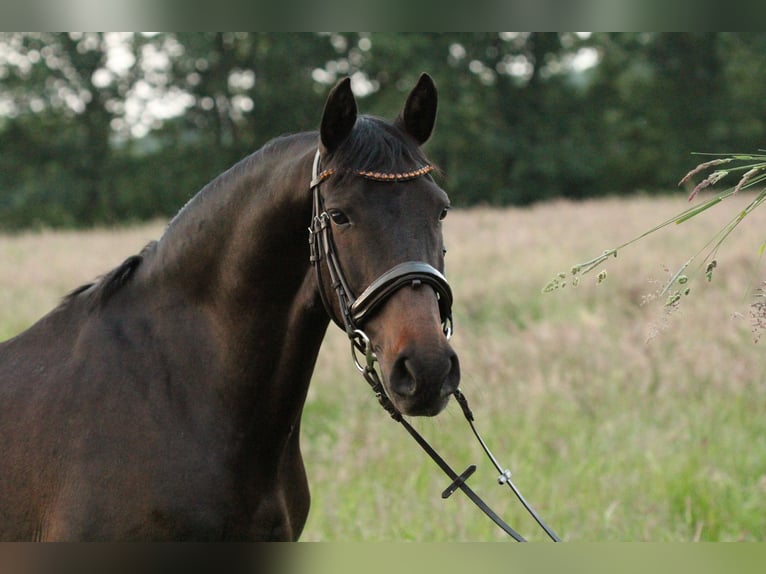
{"type": "Point", "coordinates": [419, 368]}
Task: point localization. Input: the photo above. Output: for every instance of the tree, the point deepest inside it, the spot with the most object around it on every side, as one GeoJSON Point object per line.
{"type": "Point", "coordinates": [247, 87]}
{"type": "Point", "coordinates": [87, 121]}
{"type": "Point", "coordinates": [59, 82]}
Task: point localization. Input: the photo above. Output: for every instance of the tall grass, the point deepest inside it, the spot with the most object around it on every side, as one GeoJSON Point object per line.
{"type": "Point", "coordinates": [620, 419]}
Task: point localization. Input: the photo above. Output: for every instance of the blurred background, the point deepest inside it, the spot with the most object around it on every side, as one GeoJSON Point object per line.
{"type": "Point", "coordinates": [99, 128]}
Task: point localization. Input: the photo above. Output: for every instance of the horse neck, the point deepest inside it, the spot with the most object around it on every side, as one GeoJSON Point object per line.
{"type": "Point", "coordinates": [244, 221]}
{"type": "Point", "coordinates": [238, 252]}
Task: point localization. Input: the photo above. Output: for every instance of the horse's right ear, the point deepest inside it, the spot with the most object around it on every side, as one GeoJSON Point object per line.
{"type": "Point", "coordinates": [339, 115]}
{"type": "Point", "coordinates": [419, 114]}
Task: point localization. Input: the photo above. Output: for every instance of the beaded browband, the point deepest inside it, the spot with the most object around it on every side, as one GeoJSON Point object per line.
{"type": "Point", "coordinates": [377, 175]}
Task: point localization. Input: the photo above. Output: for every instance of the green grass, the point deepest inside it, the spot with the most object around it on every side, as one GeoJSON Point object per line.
{"type": "Point", "coordinates": [619, 420]}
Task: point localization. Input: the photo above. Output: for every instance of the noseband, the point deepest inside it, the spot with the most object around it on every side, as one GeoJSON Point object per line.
{"type": "Point", "coordinates": [356, 310]}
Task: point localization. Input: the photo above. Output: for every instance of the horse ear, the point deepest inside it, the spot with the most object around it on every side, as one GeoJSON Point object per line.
{"type": "Point", "coordinates": [339, 115]}
{"type": "Point", "coordinates": [419, 113]}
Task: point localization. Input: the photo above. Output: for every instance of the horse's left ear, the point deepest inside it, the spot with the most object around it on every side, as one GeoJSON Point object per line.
{"type": "Point", "coordinates": [419, 114]}
{"type": "Point", "coordinates": [339, 115]}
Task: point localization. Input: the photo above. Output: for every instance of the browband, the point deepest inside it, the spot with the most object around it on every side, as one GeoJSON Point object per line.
{"type": "Point", "coordinates": [375, 175]}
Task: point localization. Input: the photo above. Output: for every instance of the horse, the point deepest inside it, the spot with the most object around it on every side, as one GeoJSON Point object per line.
{"type": "Point", "coordinates": [163, 401]}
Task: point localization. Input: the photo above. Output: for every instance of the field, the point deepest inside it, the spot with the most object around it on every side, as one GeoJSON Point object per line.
{"type": "Point", "coordinates": [619, 420]}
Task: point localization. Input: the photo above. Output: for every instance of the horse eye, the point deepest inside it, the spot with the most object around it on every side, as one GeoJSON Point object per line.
{"type": "Point", "coordinates": [338, 217]}
{"type": "Point", "coordinates": [443, 214]}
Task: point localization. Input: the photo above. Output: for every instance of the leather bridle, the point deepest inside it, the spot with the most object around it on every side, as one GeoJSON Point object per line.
{"type": "Point", "coordinates": [354, 311]}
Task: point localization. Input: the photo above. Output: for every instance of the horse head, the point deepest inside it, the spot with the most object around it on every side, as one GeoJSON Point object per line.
{"type": "Point", "coordinates": [379, 214]}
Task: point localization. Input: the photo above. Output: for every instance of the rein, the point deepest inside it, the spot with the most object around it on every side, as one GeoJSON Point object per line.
{"type": "Point", "coordinates": [354, 311]}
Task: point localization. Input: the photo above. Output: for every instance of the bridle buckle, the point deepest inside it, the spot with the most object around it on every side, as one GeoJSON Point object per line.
{"type": "Point", "coordinates": [360, 343]}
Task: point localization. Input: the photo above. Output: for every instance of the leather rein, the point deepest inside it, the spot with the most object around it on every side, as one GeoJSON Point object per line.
{"type": "Point", "coordinates": [355, 310]}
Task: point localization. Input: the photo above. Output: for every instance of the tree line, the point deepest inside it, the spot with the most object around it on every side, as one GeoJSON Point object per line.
{"type": "Point", "coordinates": [106, 127]}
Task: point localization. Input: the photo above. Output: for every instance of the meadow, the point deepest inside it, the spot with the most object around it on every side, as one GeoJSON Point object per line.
{"type": "Point", "coordinates": [620, 419]}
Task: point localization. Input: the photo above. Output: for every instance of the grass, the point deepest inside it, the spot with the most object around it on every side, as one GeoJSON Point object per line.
{"type": "Point", "coordinates": [620, 419]}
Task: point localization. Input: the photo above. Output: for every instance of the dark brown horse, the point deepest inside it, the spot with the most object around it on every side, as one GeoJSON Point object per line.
{"type": "Point", "coordinates": [163, 402]}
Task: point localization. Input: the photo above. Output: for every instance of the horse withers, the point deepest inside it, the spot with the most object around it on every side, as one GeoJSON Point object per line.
{"type": "Point", "coordinates": [163, 401]}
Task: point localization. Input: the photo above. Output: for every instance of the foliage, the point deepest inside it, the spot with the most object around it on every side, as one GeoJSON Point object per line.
{"type": "Point", "coordinates": [107, 127]}
{"type": "Point", "coordinates": [751, 169]}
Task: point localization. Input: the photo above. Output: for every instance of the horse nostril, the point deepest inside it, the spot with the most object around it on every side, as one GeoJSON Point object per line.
{"type": "Point", "coordinates": [437, 377]}
{"type": "Point", "coordinates": [403, 377]}
{"type": "Point", "coordinates": [452, 380]}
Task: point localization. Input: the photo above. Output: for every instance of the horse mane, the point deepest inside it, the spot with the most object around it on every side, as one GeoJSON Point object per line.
{"type": "Point", "coordinates": [102, 289]}
{"type": "Point", "coordinates": [375, 145]}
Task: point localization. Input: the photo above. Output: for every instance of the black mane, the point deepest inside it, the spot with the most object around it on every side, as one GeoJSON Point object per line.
{"type": "Point", "coordinates": [375, 145]}
{"type": "Point", "coordinates": [101, 290]}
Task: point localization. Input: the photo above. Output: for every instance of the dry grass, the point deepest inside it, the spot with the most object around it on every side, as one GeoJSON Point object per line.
{"type": "Point", "coordinates": [620, 421]}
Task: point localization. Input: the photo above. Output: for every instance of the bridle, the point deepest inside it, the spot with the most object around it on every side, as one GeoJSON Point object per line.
{"type": "Point", "coordinates": [354, 311]}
